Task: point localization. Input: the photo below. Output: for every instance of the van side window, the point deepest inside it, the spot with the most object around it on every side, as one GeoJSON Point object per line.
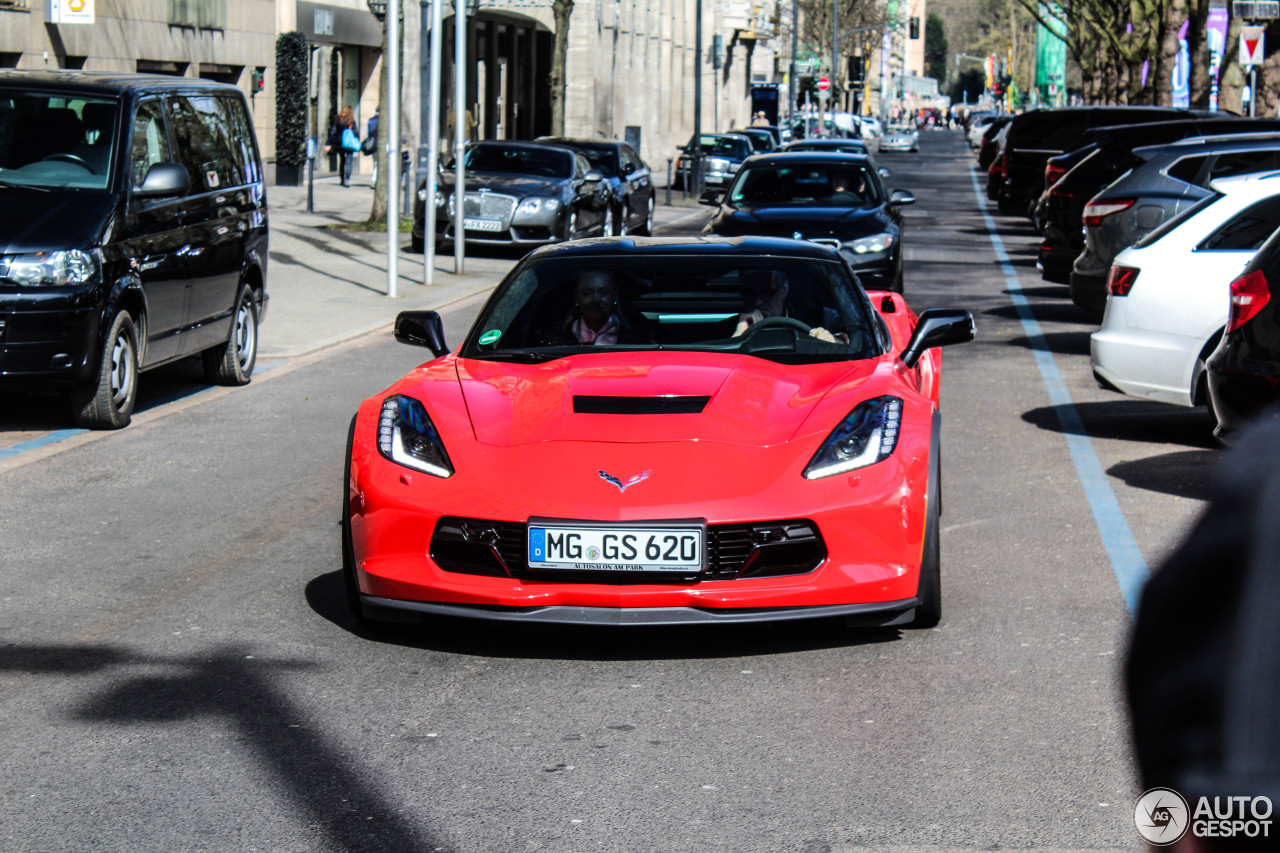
{"type": "Point", "coordinates": [150, 140]}
{"type": "Point", "coordinates": [243, 152]}
{"type": "Point", "coordinates": [204, 143]}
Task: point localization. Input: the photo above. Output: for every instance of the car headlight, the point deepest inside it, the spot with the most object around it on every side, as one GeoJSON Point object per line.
{"type": "Point", "coordinates": [720, 165]}
{"type": "Point", "coordinates": [867, 435]}
{"type": "Point", "coordinates": [531, 206]}
{"type": "Point", "coordinates": [870, 245]}
{"type": "Point", "coordinates": [51, 269]}
{"type": "Point", "coordinates": [422, 193]}
{"type": "Point", "coordinates": [407, 437]}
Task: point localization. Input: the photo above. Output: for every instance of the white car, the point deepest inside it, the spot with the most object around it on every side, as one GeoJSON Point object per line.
{"type": "Point", "coordinates": [900, 138]}
{"type": "Point", "coordinates": [1168, 295]}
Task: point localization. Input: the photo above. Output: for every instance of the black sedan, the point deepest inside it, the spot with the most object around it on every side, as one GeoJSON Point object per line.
{"type": "Point", "coordinates": [629, 179]}
{"type": "Point", "coordinates": [833, 199]}
{"type": "Point", "coordinates": [519, 193]}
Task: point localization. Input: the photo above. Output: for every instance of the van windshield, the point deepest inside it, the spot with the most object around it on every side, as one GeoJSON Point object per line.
{"type": "Point", "coordinates": [56, 140]}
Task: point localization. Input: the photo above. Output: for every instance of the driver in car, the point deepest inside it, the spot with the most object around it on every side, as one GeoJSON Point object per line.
{"type": "Point", "coordinates": [596, 318]}
{"type": "Point", "coordinates": [765, 294]}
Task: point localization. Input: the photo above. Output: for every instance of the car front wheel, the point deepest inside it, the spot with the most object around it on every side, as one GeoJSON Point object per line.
{"type": "Point", "coordinates": [231, 362]}
{"type": "Point", "coordinates": [107, 402]}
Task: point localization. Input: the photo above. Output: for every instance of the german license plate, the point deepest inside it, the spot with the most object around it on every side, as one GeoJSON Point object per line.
{"type": "Point", "coordinates": [482, 224]}
{"type": "Point", "coordinates": [677, 547]}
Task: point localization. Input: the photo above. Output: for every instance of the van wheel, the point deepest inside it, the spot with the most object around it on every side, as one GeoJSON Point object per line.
{"type": "Point", "coordinates": [107, 402]}
{"type": "Point", "coordinates": [231, 362]}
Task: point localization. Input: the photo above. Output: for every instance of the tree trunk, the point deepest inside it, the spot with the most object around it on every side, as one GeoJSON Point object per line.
{"type": "Point", "coordinates": [561, 10]}
{"type": "Point", "coordinates": [1198, 48]}
{"type": "Point", "coordinates": [378, 213]}
{"type": "Point", "coordinates": [1166, 59]}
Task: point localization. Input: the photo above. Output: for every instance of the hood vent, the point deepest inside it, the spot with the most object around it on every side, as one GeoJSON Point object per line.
{"type": "Point", "coordinates": [668, 404]}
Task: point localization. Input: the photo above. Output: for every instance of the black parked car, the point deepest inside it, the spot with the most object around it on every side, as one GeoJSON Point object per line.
{"type": "Point", "coordinates": [520, 193]}
{"type": "Point", "coordinates": [1035, 136]}
{"type": "Point", "coordinates": [134, 217]}
{"type": "Point", "coordinates": [833, 199]}
{"type": "Point", "coordinates": [1244, 371]}
{"type": "Point", "coordinates": [722, 154]}
{"type": "Point", "coordinates": [1061, 207]}
{"type": "Point", "coordinates": [629, 179]}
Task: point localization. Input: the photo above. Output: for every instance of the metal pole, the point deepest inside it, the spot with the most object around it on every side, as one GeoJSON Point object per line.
{"type": "Point", "coordinates": [1253, 91]}
{"type": "Point", "coordinates": [697, 98]}
{"type": "Point", "coordinates": [391, 143]}
{"type": "Point", "coordinates": [433, 148]}
{"type": "Point", "coordinates": [791, 75]}
{"type": "Point", "coordinates": [459, 132]}
{"type": "Point", "coordinates": [835, 50]}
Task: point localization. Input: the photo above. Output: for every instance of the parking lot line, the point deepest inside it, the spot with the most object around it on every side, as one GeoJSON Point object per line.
{"type": "Point", "coordinates": [1122, 549]}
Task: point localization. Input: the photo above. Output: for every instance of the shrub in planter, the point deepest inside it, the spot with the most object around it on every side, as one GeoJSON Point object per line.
{"type": "Point", "coordinates": [292, 60]}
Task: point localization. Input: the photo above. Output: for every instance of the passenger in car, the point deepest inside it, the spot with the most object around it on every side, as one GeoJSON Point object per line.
{"type": "Point", "coordinates": [597, 318]}
{"type": "Point", "coordinates": [767, 293]}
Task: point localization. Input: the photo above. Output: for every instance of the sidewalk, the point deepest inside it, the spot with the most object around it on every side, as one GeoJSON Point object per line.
{"type": "Point", "coordinates": [330, 286]}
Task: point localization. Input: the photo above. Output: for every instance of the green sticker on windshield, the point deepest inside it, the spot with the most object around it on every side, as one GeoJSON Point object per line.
{"type": "Point", "coordinates": [490, 337]}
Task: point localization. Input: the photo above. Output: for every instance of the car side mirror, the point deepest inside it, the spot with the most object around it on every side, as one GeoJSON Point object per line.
{"type": "Point", "coordinates": [938, 327]}
{"type": "Point", "coordinates": [883, 172]}
{"type": "Point", "coordinates": [901, 197]}
{"type": "Point", "coordinates": [421, 329]}
{"type": "Point", "coordinates": [593, 177]}
{"type": "Point", "coordinates": [164, 179]}
{"type": "Point", "coordinates": [682, 148]}
{"type": "Point", "coordinates": [711, 197]}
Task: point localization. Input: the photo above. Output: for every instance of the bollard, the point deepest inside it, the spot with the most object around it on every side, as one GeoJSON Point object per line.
{"type": "Point", "coordinates": [669, 177]}
{"type": "Point", "coordinates": [684, 177]}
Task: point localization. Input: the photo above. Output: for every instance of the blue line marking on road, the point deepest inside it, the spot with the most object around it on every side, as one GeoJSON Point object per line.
{"type": "Point", "coordinates": [1126, 560]}
{"type": "Point", "coordinates": [34, 443]}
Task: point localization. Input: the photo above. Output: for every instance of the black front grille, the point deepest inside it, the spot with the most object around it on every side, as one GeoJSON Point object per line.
{"type": "Point", "coordinates": [758, 549]}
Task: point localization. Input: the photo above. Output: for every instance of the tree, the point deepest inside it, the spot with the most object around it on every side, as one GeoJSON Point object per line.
{"type": "Point", "coordinates": [561, 10]}
{"type": "Point", "coordinates": [936, 48]}
{"type": "Point", "coordinates": [292, 61]}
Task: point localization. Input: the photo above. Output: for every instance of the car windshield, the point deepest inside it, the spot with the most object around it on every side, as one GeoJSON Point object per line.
{"type": "Point", "coordinates": [724, 146]}
{"type": "Point", "coordinates": [789, 310]}
{"type": "Point", "coordinates": [603, 159]}
{"type": "Point", "coordinates": [520, 160]}
{"type": "Point", "coordinates": [62, 141]}
{"type": "Point", "coordinates": [835, 184]}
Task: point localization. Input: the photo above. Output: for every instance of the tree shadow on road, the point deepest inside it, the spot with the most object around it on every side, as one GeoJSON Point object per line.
{"type": "Point", "coordinates": [240, 690]}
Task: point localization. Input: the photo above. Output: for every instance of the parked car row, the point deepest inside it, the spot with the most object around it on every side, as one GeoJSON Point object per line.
{"type": "Point", "coordinates": [1162, 227]}
{"type": "Point", "coordinates": [542, 191]}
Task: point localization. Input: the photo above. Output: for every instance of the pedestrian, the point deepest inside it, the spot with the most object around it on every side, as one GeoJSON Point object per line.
{"type": "Point", "coordinates": [338, 140]}
{"type": "Point", "coordinates": [1203, 671]}
{"type": "Point", "coordinates": [371, 144]}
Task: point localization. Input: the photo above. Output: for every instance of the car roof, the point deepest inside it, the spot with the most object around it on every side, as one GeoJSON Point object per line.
{"type": "Point", "coordinates": [1209, 144]}
{"type": "Point", "coordinates": [1252, 183]}
{"type": "Point", "coordinates": [688, 247]}
{"type": "Point", "coordinates": [571, 141]}
{"type": "Point", "coordinates": [512, 143]}
{"type": "Point", "coordinates": [784, 157]}
{"type": "Point", "coordinates": [104, 82]}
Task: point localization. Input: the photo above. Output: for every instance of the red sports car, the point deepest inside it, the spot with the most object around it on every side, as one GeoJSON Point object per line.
{"type": "Point", "coordinates": [658, 431]}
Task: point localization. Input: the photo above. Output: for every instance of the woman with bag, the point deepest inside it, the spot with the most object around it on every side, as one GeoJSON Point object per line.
{"type": "Point", "coordinates": [343, 137]}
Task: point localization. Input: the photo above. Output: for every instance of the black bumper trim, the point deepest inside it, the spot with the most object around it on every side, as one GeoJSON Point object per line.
{"type": "Point", "coordinates": [877, 614]}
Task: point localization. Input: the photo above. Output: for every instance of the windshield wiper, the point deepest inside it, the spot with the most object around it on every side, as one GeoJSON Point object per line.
{"type": "Point", "coordinates": [524, 356]}
{"type": "Point", "coordinates": [15, 186]}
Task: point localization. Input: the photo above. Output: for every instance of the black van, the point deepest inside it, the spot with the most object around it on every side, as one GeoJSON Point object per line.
{"type": "Point", "coordinates": [133, 233]}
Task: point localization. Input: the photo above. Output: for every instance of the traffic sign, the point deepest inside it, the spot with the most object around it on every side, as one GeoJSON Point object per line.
{"type": "Point", "coordinates": [824, 84]}
{"type": "Point", "coordinates": [1255, 10]}
{"type": "Point", "coordinates": [1251, 46]}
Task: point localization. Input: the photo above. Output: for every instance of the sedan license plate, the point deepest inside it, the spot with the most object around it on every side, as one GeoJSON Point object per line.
{"type": "Point", "coordinates": [482, 224]}
{"type": "Point", "coordinates": [616, 548]}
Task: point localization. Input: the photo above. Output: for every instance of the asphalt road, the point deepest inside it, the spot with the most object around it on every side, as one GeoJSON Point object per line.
{"type": "Point", "coordinates": [178, 672]}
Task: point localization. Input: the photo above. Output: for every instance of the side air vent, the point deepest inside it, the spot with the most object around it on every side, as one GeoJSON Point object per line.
{"type": "Point", "coordinates": [669, 404]}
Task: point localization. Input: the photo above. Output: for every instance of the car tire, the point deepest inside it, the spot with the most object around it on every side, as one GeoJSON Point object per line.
{"type": "Point", "coordinates": [606, 229]}
{"type": "Point", "coordinates": [231, 362]}
{"type": "Point", "coordinates": [107, 402]}
{"type": "Point", "coordinates": [570, 226]}
{"type": "Point", "coordinates": [350, 585]}
{"type": "Point", "coordinates": [929, 590]}
{"type": "Point", "coordinates": [646, 230]}
{"type": "Point", "coordinates": [418, 244]}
